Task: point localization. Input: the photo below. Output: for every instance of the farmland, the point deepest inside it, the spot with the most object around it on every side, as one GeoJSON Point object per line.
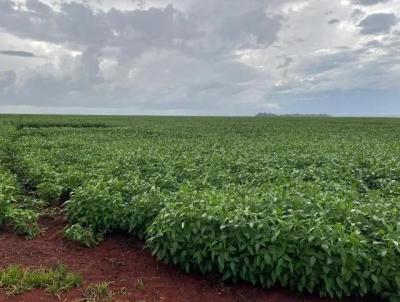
{"type": "Point", "coordinates": [308, 204]}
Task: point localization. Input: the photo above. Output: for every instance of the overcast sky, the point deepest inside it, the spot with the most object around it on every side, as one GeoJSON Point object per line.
{"type": "Point", "coordinates": [200, 57]}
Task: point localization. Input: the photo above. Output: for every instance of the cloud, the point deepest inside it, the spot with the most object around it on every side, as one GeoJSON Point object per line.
{"type": "Point", "coordinates": [79, 25]}
{"type": "Point", "coordinates": [285, 66]}
{"type": "Point", "coordinates": [333, 21]}
{"type": "Point", "coordinates": [378, 23]}
{"type": "Point", "coordinates": [18, 53]}
{"type": "Point", "coordinates": [7, 78]}
{"type": "Point", "coordinates": [250, 29]}
{"type": "Point", "coordinates": [369, 2]}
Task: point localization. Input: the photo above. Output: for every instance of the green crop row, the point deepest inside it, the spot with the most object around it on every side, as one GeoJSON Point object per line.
{"type": "Point", "coordinates": [311, 241]}
{"type": "Point", "coordinates": [16, 210]}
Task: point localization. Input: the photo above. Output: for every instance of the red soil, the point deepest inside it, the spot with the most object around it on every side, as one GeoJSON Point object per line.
{"type": "Point", "coordinates": [120, 259]}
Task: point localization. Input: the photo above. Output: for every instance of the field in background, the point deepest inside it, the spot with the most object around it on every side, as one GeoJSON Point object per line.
{"type": "Point", "coordinates": [311, 204]}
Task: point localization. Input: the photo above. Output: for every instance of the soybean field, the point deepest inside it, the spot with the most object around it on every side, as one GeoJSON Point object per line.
{"type": "Point", "coordinates": [307, 204]}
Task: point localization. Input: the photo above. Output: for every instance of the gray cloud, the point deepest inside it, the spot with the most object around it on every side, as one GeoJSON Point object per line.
{"type": "Point", "coordinates": [18, 53]}
{"type": "Point", "coordinates": [251, 29]}
{"type": "Point", "coordinates": [7, 78]}
{"type": "Point", "coordinates": [285, 66]}
{"type": "Point", "coordinates": [378, 23]}
{"type": "Point", "coordinates": [369, 2]}
{"type": "Point", "coordinates": [357, 13]}
{"type": "Point", "coordinates": [333, 21]}
{"type": "Point", "coordinates": [78, 25]}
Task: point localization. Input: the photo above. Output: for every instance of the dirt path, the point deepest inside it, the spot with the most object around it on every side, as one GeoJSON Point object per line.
{"type": "Point", "coordinates": [121, 260]}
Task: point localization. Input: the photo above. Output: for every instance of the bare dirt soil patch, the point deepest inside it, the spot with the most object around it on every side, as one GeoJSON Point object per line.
{"type": "Point", "coordinates": [135, 275]}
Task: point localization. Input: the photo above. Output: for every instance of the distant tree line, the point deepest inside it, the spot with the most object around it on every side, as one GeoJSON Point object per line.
{"type": "Point", "coordinates": [268, 114]}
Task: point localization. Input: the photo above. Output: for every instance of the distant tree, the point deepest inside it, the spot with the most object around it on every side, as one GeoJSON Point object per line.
{"type": "Point", "coordinates": [268, 114]}
{"type": "Point", "coordinates": [265, 114]}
